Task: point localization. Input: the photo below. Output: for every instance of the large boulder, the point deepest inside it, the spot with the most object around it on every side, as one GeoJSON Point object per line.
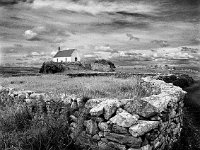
{"type": "Point", "coordinates": [143, 127]}
{"type": "Point", "coordinates": [140, 107]}
{"type": "Point", "coordinates": [124, 119]}
{"type": "Point", "coordinates": [107, 107]}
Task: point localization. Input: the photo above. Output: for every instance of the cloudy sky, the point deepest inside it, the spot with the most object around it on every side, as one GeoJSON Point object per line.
{"type": "Point", "coordinates": [33, 29]}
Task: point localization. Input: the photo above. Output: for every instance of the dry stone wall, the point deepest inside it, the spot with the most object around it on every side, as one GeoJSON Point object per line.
{"type": "Point", "coordinates": [147, 123]}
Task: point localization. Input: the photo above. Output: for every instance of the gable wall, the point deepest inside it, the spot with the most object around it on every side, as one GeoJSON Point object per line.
{"type": "Point", "coordinates": [75, 54]}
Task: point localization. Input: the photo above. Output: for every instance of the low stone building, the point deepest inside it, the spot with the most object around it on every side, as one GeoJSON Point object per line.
{"type": "Point", "coordinates": [70, 55]}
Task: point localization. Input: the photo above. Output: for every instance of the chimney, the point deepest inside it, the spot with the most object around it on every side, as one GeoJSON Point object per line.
{"type": "Point", "coordinates": [59, 48]}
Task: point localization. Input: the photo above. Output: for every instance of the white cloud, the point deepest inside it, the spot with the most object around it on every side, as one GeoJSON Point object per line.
{"type": "Point", "coordinates": [30, 35]}
{"type": "Point", "coordinates": [103, 48]}
{"type": "Point", "coordinates": [89, 55]}
{"type": "Point", "coordinates": [53, 52]}
{"type": "Point", "coordinates": [35, 54]}
{"type": "Point", "coordinates": [162, 43]}
{"type": "Point", "coordinates": [58, 40]}
{"type": "Point", "coordinates": [40, 29]}
{"type": "Point", "coordinates": [179, 55]}
{"type": "Point", "coordinates": [103, 55]}
{"type": "Point", "coordinates": [93, 7]}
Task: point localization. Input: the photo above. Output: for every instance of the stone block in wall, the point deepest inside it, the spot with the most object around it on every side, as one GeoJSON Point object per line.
{"type": "Point", "coordinates": [1, 88]}
{"type": "Point", "coordinates": [117, 146]}
{"type": "Point", "coordinates": [96, 137]}
{"type": "Point", "coordinates": [73, 118]}
{"type": "Point", "coordinates": [146, 147]}
{"type": "Point", "coordinates": [103, 126]}
{"type": "Point", "coordinates": [97, 119]}
{"type": "Point", "coordinates": [104, 140]}
{"type": "Point", "coordinates": [134, 149]}
{"type": "Point", "coordinates": [76, 113]}
{"type": "Point", "coordinates": [67, 100]}
{"type": "Point", "coordinates": [110, 108]}
{"type": "Point", "coordinates": [91, 127]}
{"type": "Point", "coordinates": [155, 118]}
{"type": "Point", "coordinates": [28, 92]}
{"type": "Point", "coordinates": [104, 146]}
{"type": "Point", "coordinates": [37, 96]}
{"type": "Point", "coordinates": [28, 100]}
{"type": "Point", "coordinates": [74, 125]}
{"type": "Point", "coordinates": [91, 103]}
{"type": "Point", "coordinates": [22, 96]}
{"type": "Point", "coordinates": [74, 105]}
{"type": "Point", "coordinates": [124, 119]}
{"type": "Point", "coordinates": [160, 101]}
{"type": "Point", "coordinates": [119, 110]}
{"type": "Point", "coordinates": [80, 102]}
{"type": "Point", "coordinates": [124, 139]}
{"type": "Point", "coordinates": [101, 134]}
{"type": "Point", "coordinates": [119, 129]}
{"type": "Point", "coordinates": [97, 111]}
{"type": "Point", "coordinates": [140, 107]}
{"type": "Point", "coordinates": [107, 107]}
{"type": "Point", "coordinates": [143, 127]}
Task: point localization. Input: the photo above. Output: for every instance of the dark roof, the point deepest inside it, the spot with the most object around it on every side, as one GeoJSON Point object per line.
{"type": "Point", "coordinates": [65, 53]}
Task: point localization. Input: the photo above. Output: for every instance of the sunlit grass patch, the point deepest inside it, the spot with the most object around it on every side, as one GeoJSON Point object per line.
{"type": "Point", "coordinates": [94, 87]}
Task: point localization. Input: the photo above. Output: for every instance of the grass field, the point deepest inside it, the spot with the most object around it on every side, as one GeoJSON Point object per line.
{"type": "Point", "coordinates": [93, 87]}
{"type": "Point", "coordinates": [31, 127]}
{"type": "Point", "coordinates": [18, 71]}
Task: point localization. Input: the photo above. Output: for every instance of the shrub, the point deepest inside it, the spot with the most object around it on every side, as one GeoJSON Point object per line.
{"type": "Point", "coordinates": [182, 80]}
{"type": "Point", "coordinates": [105, 62]}
{"type": "Point", "coordinates": [102, 65]}
{"type": "Point", "coordinates": [52, 67]}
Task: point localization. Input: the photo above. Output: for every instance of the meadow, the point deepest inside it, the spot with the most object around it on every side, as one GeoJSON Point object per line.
{"type": "Point", "coordinates": [92, 87]}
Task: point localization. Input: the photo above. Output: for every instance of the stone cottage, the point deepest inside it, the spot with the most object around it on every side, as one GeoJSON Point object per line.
{"type": "Point", "coordinates": [70, 55]}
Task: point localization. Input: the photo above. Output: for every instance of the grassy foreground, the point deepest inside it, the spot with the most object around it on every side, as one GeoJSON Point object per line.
{"type": "Point", "coordinates": [93, 87]}
{"type": "Point", "coordinates": [42, 126]}
{"type": "Point", "coordinates": [34, 126]}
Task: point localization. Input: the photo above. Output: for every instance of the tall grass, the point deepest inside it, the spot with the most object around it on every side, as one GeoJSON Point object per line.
{"type": "Point", "coordinates": [34, 126]}
{"type": "Point", "coordinates": [94, 87]}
